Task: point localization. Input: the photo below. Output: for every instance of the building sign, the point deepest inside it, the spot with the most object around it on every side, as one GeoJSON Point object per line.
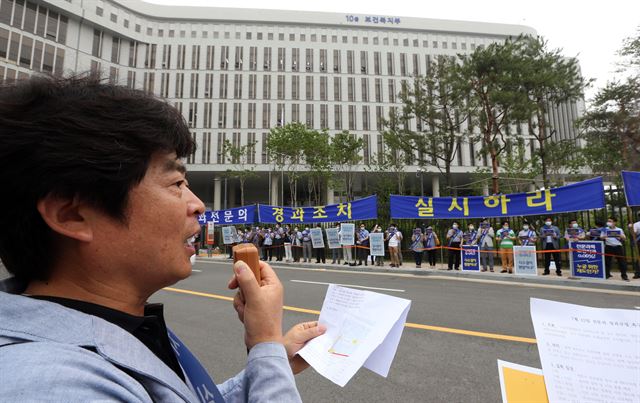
{"type": "Point", "coordinates": [372, 19]}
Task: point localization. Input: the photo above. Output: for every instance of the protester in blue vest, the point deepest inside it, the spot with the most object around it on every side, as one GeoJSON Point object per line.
{"type": "Point", "coordinates": [318, 249]}
{"type": "Point", "coordinates": [574, 232]}
{"type": "Point", "coordinates": [527, 236]}
{"type": "Point", "coordinates": [470, 236]}
{"type": "Point", "coordinates": [296, 244]}
{"type": "Point", "coordinates": [486, 236]}
{"type": "Point", "coordinates": [454, 239]}
{"type": "Point", "coordinates": [594, 232]}
{"type": "Point", "coordinates": [278, 242]}
{"type": "Point", "coordinates": [417, 245]}
{"type": "Point", "coordinates": [268, 244]}
{"type": "Point", "coordinates": [550, 238]}
{"type": "Point", "coordinates": [430, 242]}
{"type": "Point", "coordinates": [105, 169]}
{"type": "Point", "coordinates": [614, 239]}
{"type": "Point", "coordinates": [362, 245]}
{"type": "Point", "coordinates": [336, 253]}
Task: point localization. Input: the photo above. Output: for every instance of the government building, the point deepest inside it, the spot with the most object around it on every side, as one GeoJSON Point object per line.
{"type": "Point", "coordinates": [237, 73]}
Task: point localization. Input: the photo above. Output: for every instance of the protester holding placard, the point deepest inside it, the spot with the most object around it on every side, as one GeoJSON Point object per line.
{"type": "Point", "coordinates": [362, 245]}
{"type": "Point", "coordinates": [527, 236]}
{"type": "Point", "coordinates": [595, 231]}
{"type": "Point", "coordinates": [268, 244]}
{"type": "Point", "coordinates": [574, 232]}
{"type": "Point", "coordinates": [347, 248]}
{"type": "Point", "coordinates": [296, 244]}
{"type": "Point", "coordinates": [318, 248]}
{"type": "Point", "coordinates": [485, 241]}
{"type": "Point", "coordinates": [506, 237]}
{"type": "Point", "coordinates": [379, 260]}
{"type": "Point", "coordinates": [394, 237]}
{"type": "Point", "coordinates": [307, 248]}
{"type": "Point", "coordinates": [430, 242]}
{"type": "Point", "coordinates": [470, 236]}
{"type": "Point", "coordinates": [454, 239]}
{"type": "Point", "coordinates": [614, 238]}
{"type": "Point", "coordinates": [550, 236]}
{"type": "Point", "coordinates": [417, 242]}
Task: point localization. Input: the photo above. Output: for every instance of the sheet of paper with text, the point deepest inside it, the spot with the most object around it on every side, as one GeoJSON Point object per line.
{"type": "Point", "coordinates": [588, 354]}
{"type": "Point", "coordinates": [363, 329]}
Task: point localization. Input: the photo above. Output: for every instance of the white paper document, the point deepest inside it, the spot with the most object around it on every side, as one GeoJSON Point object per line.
{"type": "Point", "coordinates": [588, 354]}
{"type": "Point", "coordinates": [363, 329]}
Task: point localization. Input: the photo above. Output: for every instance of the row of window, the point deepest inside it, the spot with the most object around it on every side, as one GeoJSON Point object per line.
{"type": "Point", "coordinates": [34, 18]}
{"type": "Point", "coordinates": [312, 60]}
{"type": "Point", "coordinates": [291, 37]}
{"type": "Point", "coordinates": [31, 53]}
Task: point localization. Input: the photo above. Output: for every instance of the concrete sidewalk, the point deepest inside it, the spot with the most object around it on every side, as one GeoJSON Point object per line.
{"type": "Point", "coordinates": [614, 283]}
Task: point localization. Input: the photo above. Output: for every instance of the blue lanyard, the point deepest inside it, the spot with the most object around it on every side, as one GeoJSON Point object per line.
{"type": "Point", "coordinates": [205, 388]}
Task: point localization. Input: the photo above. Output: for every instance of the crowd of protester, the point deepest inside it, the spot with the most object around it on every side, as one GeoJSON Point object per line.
{"type": "Point", "coordinates": [292, 243]}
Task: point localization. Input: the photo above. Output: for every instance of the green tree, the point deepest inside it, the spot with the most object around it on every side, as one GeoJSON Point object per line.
{"type": "Point", "coordinates": [437, 102]}
{"type": "Point", "coordinates": [397, 152]}
{"type": "Point", "coordinates": [238, 158]}
{"type": "Point", "coordinates": [493, 77]}
{"type": "Point", "coordinates": [317, 156]}
{"type": "Point", "coordinates": [345, 156]}
{"type": "Point", "coordinates": [285, 146]}
{"type": "Point", "coordinates": [548, 80]}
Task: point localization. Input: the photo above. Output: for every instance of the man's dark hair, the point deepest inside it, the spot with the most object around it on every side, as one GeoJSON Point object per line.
{"type": "Point", "coordinates": [613, 218]}
{"type": "Point", "coordinates": [74, 137]}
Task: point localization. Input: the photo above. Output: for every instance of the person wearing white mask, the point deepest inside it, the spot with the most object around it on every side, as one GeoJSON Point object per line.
{"type": "Point", "coordinates": [506, 237]}
{"type": "Point", "coordinates": [454, 239]}
{"type": "Point", "coordinates": [394, 237]}
{"type": "Point", "coordinates": [574, 232]}
{"type": "Point", "coordinates": [485, 240]}
{"type": "Point", "coordinates": [614, 238]}
{"type": "Point", "coordinates": [307, 247]}
{"type": "Point", "coordinates": [550, 236]}
{"type": "Point", "coordinates": [527, 236]}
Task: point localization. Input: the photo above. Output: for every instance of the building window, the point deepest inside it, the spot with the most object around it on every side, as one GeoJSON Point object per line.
{"type": "Point", "coordinates": [193, 114]}
{"type": "Point", "coordinates": [221, 152]}
{"type": "Point", "coordinates": [99, 11]}
{"type": "Point", "coordinates": [392, 91]}
{"type": "Point", "coordinates": [222, 115]}
{"type": "Point", "coordinates": [224, 81]}
{"type": "Point", "coordinates": [365, 89]}
{"type": "Point", "coordinates": [195, 79]}
{"type": "Point", "coordinates": [323, 88]}
{"type": "Point", "coordinates": [336, 61]}
{"type": "Point", "coordinates": [351, 91]}
{"type": "Point", "coordinates": [208, 115]}
{"type": "Point", "coordinates": [181, 56]}
{"type": "Point", "coordinates": [251, 148]}
{"type": "Point", "coordinates": [251, 119]}
{"type": "Point", "coordinates": [309, 60]}
{"type": "Point", "coordinates": [195, 57]}
{"type": "Point", "coordinates": [266, 116]}
{"type": "Point", "coordinates": [309, 115]}
{"type": "Point", "coordinates": [239, 57]}
{"type": "Point", "coordinates": [280, 94]}
{"type": "Point", "coordinates": [237, 115]}
{"type": "Point", "coordinates": [96, 49]}
{"type": "Point", "coordinates": [337, 117]}
{"type": "Point", "coordinates": [208, 85]}
{"type": "Point", "coordinates": [166, 56]}
{"type": "Point", "coordinates": [253, 58]}
{"type": "Point", "coordinates": [266, 87]}
{"type": "Point", "coordinates": [364, 62]}
{"type": "Point", "coordinates": [390, 64]}
{"type": "Point", "coordinates": [365, 117]}
{"type": "Point", "coordinates": [350, 68]}
{"type": "Point", "coordinates": [210, 54]}
{"type": "Point", "coordinates": [366, 152]}
{"type": "Point", "coordinates": [324, 116]}
{"type": "Point", "coordinates": [337, 89]}
{"type": "Point", "coordinates": [295, 87]}
{"type": "Point", "coordinates": [281, 58]}
{"type": "Point", "coordinates": [352, 117]}
{"type": "Point", "coordinates": [113, 17]}
{"type": "Point", "coordinates": [403, 64]}
{"type": "Point", "coordinates": [309, 88]}
{"type": "Point", "coordinates": [237, 86]}
{"type": "Point", "coordinates": [206, 148]}
{"type": "Point", "coordinates": [379, 117]}
{"type": "Point", "coordinates": [323, 60]}
{"type": "Point", "coordinates": [179, 85]}
{"type": "Point", "coordinates": [280, 115]}
{"type": "Point", "coordinates": [267, 59]}
{"type": "Point", "coordinates": [265, 150]}
{"type": "Point", "coordinates": [164, 85]}
{"type": "Point", "coordinates": [253, 78]}
{"type": "Point", "coordinates": [295, 112]}
{"type": "Point", "coordinates": [224, 57]}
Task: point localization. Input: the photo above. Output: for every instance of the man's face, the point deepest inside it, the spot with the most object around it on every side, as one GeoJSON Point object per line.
{"type": "Point", "coordinates": [151, 249]}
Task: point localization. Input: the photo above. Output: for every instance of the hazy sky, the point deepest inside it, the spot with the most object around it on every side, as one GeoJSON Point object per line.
{"type": "Point", "coordinates": [591, 30]}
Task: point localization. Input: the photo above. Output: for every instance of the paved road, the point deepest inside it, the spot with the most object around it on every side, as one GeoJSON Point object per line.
{"type": "Point", "coordinates": [431, 366]}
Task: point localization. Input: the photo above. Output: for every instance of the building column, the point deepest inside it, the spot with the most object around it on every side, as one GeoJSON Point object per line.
{"type": "Point", "coordinates": [217, 193]}
{"type": "Point", "coordinates": [231, 198]}
{"type": "Point", "coordinates": [275, 189]}
{"type": "Point", "coordinates": [330, 193]}
{"type": "Point", "coordinates": [435, 186]}
{"type": "Point", "coordinates": [485, 189]}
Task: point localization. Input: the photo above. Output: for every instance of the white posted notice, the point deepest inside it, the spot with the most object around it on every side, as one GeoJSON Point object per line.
{"type": "Point", "coordinates": [588, 354]}
{"type": "Point", "coordinates": [363, 329]}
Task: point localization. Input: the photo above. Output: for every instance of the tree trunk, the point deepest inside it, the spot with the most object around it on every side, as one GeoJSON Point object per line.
{"type": "Point", "coordinates": [242, 191]}
{"type": "Point", "coordinates": [542, 151]}
{"type": "Point", "coordinates": [495, 186]}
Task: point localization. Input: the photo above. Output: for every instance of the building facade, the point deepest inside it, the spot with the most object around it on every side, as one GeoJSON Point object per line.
{"type": "Point", "coordinates": [236, 73]}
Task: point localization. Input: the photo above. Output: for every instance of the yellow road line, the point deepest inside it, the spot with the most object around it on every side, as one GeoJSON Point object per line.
{"type": "Point", "coordinates": [494, 336]}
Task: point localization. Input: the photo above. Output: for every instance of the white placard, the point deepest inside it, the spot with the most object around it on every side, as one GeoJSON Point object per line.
{"type": "Point", "coordinates": [347, 233]}
{"type": "Point", "coordinates": [333, 238]}
{"type": "Point", "coordinates": [316, 238]}
{"type": "Point", "coordinates": [525, 260]}
{"type": "Point", "coordinates": [228, 235]}
{"type": "Point", "coordinates": [376, 243]}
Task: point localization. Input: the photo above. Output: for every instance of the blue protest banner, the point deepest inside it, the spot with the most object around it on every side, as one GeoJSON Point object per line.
{"type": "Point", "coordinates": [361, 209]}
{"type": "Point", "coordinates": [587, 259]}
{"type": "Point", "coordinates": [376, 243]}
{"type": "Point", "coordinates": [631, 187]}
{"type": "Point", "coordinates": [585, 195]}
{"type": "Point", "coordinates": [237, 215]}
{"type": "Point", "coordinates": [470, 256]}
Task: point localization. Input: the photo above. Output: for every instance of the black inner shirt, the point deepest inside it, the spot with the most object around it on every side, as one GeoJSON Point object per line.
{"type": "Point", "coordinates": [150, 329]}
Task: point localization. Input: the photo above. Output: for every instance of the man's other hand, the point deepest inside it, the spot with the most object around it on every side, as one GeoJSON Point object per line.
{"type": "Point", "coordinates": [296, 338]}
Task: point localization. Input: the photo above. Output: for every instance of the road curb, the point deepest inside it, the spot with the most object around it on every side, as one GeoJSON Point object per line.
{"type": "Point", "coordinates": [511, 278]}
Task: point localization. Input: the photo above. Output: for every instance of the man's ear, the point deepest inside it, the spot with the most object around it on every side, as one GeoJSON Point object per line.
{"type": "Point", "coordinates": [68, 217]}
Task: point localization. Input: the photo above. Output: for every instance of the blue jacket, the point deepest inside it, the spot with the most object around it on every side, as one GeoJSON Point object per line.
{"type": "Point", "coordinates": [52, 353]}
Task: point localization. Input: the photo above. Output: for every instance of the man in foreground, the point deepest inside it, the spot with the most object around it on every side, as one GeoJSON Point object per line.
{"type": "Point", "coordinates": [93, 172]}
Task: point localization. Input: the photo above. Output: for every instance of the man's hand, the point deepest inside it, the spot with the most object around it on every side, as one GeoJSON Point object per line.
{"type": "Point", "coordinates": [296, 338]}
{"type": "Point", "coordinates": [259, 307]}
